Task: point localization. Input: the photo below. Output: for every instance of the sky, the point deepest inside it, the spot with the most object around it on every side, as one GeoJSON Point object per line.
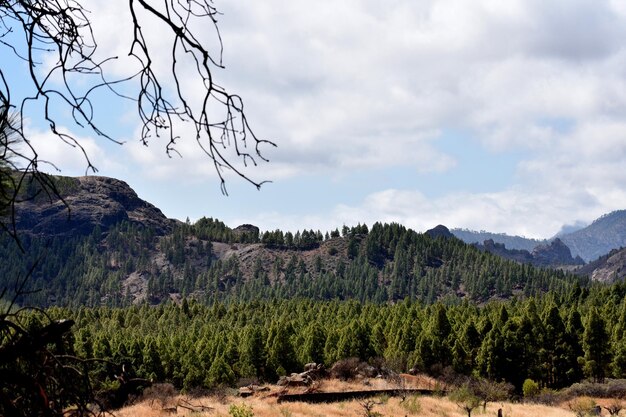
{"type": "Point", "coordinates": [506, 116]}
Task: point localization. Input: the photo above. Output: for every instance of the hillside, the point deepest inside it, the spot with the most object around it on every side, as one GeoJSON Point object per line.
{"type": "Point", "coordinates": [591, 242]}
{"type": "Point", "coordinates": [553, 255]}
{"type": "Point", "coordinates": [116, 249]}
{"type": "Point", "coordinates": [82, 204]}
{"type": "Point", "coordinates": [599, 238]}
{"type": "Point", "coordinates": [511, 242]}
{"type": "Point", "coordinates": [204, 305]}
{"type": "Point", "coordinates": [266, 404]}
{"type": "Point", "coordinates": [608, 268]}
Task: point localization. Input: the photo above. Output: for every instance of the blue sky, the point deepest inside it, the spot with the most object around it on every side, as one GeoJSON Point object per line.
{"type": "Point", "coordinates": [489, 115]}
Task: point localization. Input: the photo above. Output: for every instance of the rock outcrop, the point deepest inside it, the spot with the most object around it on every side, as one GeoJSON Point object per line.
{"type": "Point", "coordinates": [518, 255]}
{"type": "Point", "coordinates": [608, 268]}
{"type": "Point", "coordinates": [440, 231]}
{"type": "Point", "coordinates": [84, 203]}
{"type": "Point", "coordinates": [553, 255]}
{"type": "Point", "coordinates": [246, 232]}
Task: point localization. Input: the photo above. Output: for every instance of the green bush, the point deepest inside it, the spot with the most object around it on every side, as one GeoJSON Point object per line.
{"type": "Point", "coordinates": [530, 388]}
{"type": "Point", "coordinates": [240, 411]}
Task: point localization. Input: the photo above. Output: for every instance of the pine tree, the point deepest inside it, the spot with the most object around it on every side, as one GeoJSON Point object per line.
{"type": "Point", "coordinates": [553, 352]}
{"type": "Point", "coordinates": [439, 333]}
{"type": "Point", "coordinates": [596, 347]}
{"type": "Point", "coordinates": [315, 338]}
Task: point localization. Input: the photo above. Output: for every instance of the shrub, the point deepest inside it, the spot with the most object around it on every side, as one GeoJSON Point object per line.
{"type": "Point", "coordinates": [368, 409]}
{"type": "Point", "coordinates": [614, 388]}
{"type": "Point", "coordinates": [614, 407]}
{"type": "Point", "coordinates": [548, 396]}
{"type": "Point", "coordinates": [345, 369]}
{"type": "Point", "coordinates": [582, 406]}
{"type": "Point", "coordinates": [490, 391]}
{"type": "Point", "coordinates": [240, 411]}
{"type": "Point", "coordinates": [285, 412]}
{"type": "Point", "coordinates": [530, 388]}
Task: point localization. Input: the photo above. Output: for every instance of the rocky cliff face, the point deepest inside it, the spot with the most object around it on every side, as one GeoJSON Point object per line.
{"type": "Point", "coordinates": [86, 202]}
{"type": "Point", "coordinates": [608, 268]}
{"type": "Point", "coordinates": [553, 255]}
{"type": "Point", "coordinates": [440, 231]}
{"type": "Point", "coordinates": [517, 255]}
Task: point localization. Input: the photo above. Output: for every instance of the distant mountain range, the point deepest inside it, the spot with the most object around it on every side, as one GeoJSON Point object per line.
{"type": "Point", "coordinates": [550, 255]}
{"type": "Point", "coordinates": [113, 248]}
{"type": "Point", "coordinates": [511, 242]}
{"type": "Point", "coordinates": [599, 238]}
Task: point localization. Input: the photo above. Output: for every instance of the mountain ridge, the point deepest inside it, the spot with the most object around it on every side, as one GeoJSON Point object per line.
{"type": "Point", "coordinates": [146, 257]}
{"type": "Point", "coordinates": [604, 234]}
{"type": "Point", "coordinates": [117, 249]}
{"type": "Point", "coordinates": [82, 203]}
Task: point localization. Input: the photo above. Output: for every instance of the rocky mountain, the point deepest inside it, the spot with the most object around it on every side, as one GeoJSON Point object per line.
{"type": "Point", "coordinates": [553, 255]}
{"type": "Point", "coordinates": [440, 231]}
{"type": "Point", "coordinates": [115, 249]}
{"type": "Point", "coordinates": [599, 238]}
{"type": "Point", "coordinates": [511, 242]}
{"type": "Point", "coordinates": [82, 204]}
{"type": "Point", "coordinates": [608, 268]}
{"type": "Point", "coordinates": [556, 253]}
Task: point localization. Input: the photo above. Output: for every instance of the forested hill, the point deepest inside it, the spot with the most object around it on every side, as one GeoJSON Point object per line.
{"type": "Point", "coordinates": [131, 259]}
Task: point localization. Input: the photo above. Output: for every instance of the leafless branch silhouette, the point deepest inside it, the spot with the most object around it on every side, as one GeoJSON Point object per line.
{"type": "Point", "coordinates": [55, 39]}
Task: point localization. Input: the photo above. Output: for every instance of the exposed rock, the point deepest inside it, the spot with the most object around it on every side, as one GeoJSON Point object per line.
{"type": "Point", "coordinates": [608, 268]}
{"type": "Point", "coordinates": [554, 254]}
{"type": "Point", "coordinates": [295, 380]}
{"type": "Point", "coordinates": [310, 366]}
{"type": "Point", "coordinates": [246, 230]}
{"type": "Point", "coordinates": [312, 372]}
{"type": "Point", "coordinates": [518, 255]}
{"type": "Point", "coordinates": [440, 231]}
{"type": "Point", "coordinates": [251, 390]}
{"type": "Point", "coordinates": [87, 202]}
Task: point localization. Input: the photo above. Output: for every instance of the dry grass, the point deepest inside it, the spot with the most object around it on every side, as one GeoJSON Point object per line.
{"type": "Point", "coordinates": [266, 405]}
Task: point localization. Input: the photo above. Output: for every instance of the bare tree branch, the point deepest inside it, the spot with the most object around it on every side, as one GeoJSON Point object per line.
{"type": "Point", "coordinates": [56, 40]}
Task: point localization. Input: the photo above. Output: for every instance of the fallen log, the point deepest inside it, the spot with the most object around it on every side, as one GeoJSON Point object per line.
{"type": "Point", "coordinates": [328, 397]}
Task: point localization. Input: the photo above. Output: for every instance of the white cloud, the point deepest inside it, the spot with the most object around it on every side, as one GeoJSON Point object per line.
{"type": "Point", "coordinates": [513, 211]}
{"type": "Point", "coordinates": [65, 157]}
{"type": "Point", "coordinates": [355, 86]}
{"type": "Point", "coordinates": [359, 85]}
